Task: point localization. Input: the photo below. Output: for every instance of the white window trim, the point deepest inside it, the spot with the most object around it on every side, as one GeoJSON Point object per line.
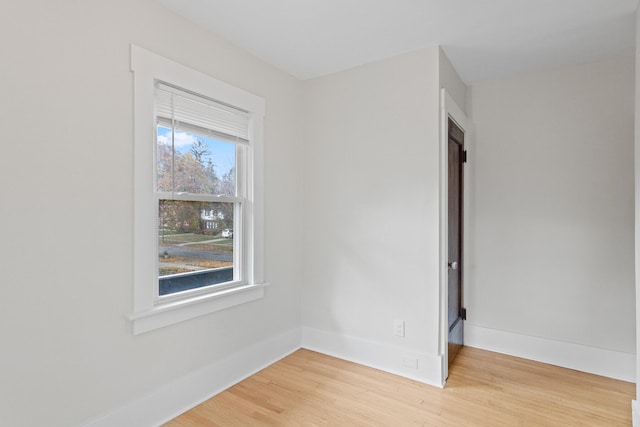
{"type": "Point", "coordinates": [149, 312]}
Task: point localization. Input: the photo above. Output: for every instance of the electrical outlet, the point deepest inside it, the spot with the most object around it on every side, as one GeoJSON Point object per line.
{"type": "Point", "coordinates": [398, 328]}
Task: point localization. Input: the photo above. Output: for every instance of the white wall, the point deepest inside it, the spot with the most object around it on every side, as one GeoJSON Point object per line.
{"type": "Point", "coordinates": [371, 212]}
{"type": "Point", "coordinates": [451, 81]}
{"type": "Point", "coordinates": [66, 242]}
{"type": "Point", "coordinates": [551, 244]}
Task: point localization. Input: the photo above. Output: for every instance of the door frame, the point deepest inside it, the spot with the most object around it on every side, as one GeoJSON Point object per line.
{"type": "Point", "coordinates": [449, 109]}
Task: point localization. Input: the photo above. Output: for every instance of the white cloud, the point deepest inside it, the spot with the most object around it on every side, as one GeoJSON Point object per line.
{"type": "Point", "coordinates": [180, 139]}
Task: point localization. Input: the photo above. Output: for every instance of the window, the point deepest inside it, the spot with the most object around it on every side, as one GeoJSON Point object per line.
{"type": "Point", "coordinates": [198, 207]}
{"type": "Point", "coordinates": [201, 147]}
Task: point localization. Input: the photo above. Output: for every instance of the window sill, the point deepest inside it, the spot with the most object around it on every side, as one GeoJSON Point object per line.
{"type": "Point", "coordinates": [177, 311]}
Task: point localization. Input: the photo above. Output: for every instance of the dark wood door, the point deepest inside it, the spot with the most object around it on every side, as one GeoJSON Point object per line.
{"type": "Point", "coordinates": [454, 277]}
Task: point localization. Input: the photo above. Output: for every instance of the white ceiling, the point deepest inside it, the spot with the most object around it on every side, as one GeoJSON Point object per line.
{"type": "Point", "coordinates": [485, 39]}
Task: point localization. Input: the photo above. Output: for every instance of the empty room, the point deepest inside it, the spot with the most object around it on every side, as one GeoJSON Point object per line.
{"type": "Point", "coordinates": [236, 213]}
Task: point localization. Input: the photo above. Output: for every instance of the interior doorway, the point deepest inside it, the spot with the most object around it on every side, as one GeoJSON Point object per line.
{"type": "Point", "coordinates": [455, 196]}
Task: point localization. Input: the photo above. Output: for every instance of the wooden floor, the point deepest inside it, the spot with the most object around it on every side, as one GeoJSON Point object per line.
{"type": "Point", "coordinates": [483, 389]}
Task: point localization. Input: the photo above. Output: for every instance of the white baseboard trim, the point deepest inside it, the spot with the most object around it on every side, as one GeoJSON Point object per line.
{"type": "Point", "coordinates": [182, 394]}
{"type": "Point", "coordinates": [401, 361]}
{"type": "Point", "coordinates": [599, 361]}
{"type": "Point", "coordinates": [635, 413]}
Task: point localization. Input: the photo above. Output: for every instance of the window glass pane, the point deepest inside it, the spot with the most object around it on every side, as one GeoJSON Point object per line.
{"type": "Point", "coordinates": [191, 163]}
{"type": "Point", "coordinates": [195, 241]}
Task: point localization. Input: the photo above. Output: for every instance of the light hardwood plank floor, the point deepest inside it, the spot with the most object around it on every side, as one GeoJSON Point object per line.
{"type": "Point", "coordinates": [484, 389]}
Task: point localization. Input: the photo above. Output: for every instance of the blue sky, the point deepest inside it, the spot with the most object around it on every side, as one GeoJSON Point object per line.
{"type": "Point", "coordinates": [222, 154]}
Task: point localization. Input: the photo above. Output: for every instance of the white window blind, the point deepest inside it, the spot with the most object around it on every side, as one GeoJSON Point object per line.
{"type": "Point", "coordinates": [194, 113]}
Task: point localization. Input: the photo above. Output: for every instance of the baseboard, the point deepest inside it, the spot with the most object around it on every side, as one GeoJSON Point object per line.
{"type": "Point", "coordinates": [635, 413]}
{"type": "Point", "coordinates": [599, 361]}
{"type": "Point", "coordinates": [393, 359]}
{"type": "Point", "coordinates": [184, 393]}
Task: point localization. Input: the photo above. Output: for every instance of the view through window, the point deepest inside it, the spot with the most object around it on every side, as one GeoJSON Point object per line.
{"type": "Point", "coordinates": [195, 237]}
